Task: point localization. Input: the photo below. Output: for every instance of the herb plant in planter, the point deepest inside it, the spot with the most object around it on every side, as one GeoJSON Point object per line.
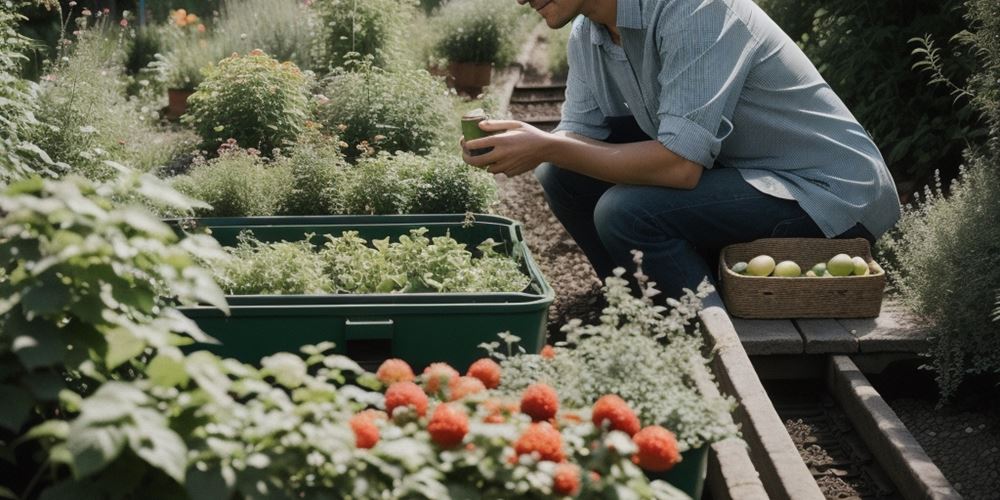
{"type": "Point", "coordinates": [188, 49]}
{"type": "Point", "coordinates": [475, 35]}
{"type": "Point", "coordinates": [254, 99]}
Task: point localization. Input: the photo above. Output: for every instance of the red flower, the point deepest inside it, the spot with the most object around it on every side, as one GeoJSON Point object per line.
{"type": "Point", "coordinates": [615, 410]}
{"type": "Point", "coordinates": [657, 449]}
{"type": "Point", "coordinates": [543, 439]}
{"type": "Point", "coordinates": [548, 352]}
{"type": "Point", "coordinates": [461, 387]}
{"type": "Point", "coordinates": [486, 370]}
{"type": "Point", "coordinates": [394, 370]}
{"type": "Point", "coordinates": [540, 402]}
{"type": "Point", "coordinates": [438, 375]}
{"type": "Point", "coordinates": [365, 430]}
{"type": "Point", "coordinates": [566, 479]}
{"type": "Point", "coordinates": [448, 426]}
{"type": "Point", "coordinates": [403, 394]}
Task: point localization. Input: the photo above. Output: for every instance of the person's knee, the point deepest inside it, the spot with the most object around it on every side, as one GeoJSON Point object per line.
{"type": "Point", "coordinates": [620, 216]}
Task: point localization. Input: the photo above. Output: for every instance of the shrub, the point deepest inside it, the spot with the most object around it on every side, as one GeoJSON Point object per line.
{"type": "Point", "coordinates": [448, 185]}
{"type": "Point", "coordinates": [478, 31]}
{"type": "Point", "coordinates": [369, 28]}
{"type": "Point", "coordinates": [862, 49]}
{"type": "Point", "coordinates": [317, 169]}
{"type": "Point", "coordinates": [285, 29]}
{"type": "Point", "coordinates": [639, 352]}
{"type": "Point", "coordinates": [89, 120]}
{"type": "Point", "coordinates": [188, 52]}
{"type": "Point", "coordinates": [254, 99]}
{"type": "Point", "coordinates": [559, 51]}
{"type": "Point", "coordinates": [403, 110]}
{"type": "Point", "coordinates": [237, 184]}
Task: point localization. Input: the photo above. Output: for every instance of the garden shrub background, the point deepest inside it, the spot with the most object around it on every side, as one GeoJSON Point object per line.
{"type": "Point", "coordinates": [863, 50]}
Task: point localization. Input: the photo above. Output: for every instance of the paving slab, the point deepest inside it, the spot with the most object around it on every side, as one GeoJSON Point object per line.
{"type": "Point", "coordinates": [895, 449]}
{"type": "Point", "coordinates": [894, 330]}
{"type": "Point", "coordinates": [731, 474]}
{"type": "Point", "coordinates": [826, 336]}
{"type": "Point", "coordinates": [768, 336]}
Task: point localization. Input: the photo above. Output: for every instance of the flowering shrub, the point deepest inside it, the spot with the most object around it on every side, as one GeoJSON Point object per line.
{"type": "Point", "coordinates": [352, 28]}
{"type": "Point", "coordinates": [253, 99]}
{"type": "Point", "coordinates": [375, 109]}
{"type": "Point", "coordinates": [479, 31]}
{"type": "Point", "coordinates": [317, 168]}
{"type": "Point", "coordinates": [349, 264]}
{"type": "Point", "coordinates": [188, 50]}
{"type": "Point", "coordinates": [237, 183]}
{"type": "Point", "coordinates": [641, 355]}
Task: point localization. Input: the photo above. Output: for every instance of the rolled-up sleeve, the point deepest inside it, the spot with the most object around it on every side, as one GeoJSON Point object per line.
{"type": "Point", "coordinates": [580, 112]}
{"type": "Point", "coordinates": [706, 53]}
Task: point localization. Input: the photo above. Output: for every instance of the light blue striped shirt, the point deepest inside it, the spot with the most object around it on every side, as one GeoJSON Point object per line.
{"type": "Point", "coordinates": [719, 83]}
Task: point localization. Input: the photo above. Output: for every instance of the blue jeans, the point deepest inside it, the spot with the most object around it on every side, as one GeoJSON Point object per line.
{"type": "Point", "coordinates": [680, 232]}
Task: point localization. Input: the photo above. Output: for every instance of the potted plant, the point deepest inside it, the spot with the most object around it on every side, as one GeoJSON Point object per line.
{"type": "Point", "coordinates": [475, 35]}
{"type": "Point", "coordinates": [190, 50]}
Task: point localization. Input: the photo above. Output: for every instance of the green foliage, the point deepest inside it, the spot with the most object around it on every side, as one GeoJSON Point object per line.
{"type": "Point", "coordinates": [374, 109]}
{"type": "Point", "coordinates": [350, 264]}
{"type": "Point", "coordinates": [559, 51]}
{"type": "Point", "coordinates": [369, 28]}
{"type": "Point", "coordinates": [317, 169]}
{"type": "Point", "coordinates": [254, 99]}
{"type": "Point", "coordinates": [284, 29]}
{"type": "Point", "coordinates": [87, 118]}
{"type": "Point", "coordinates": [478, 31]}
{"type": "Point", "coordinates": [861, 48]}
{"type": "Point", "coordinates": [638, 351]}
{"type": "Point", "coordinates": [188, 54]}
{"type": "Point", "coordinates": [142, 48]}
{"type": "Point", "coordinates": [237, 183]}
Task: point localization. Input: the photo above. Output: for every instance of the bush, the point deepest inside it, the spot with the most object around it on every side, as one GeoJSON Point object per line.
{"type": "Point", "coordinates": [407, 183]}
{"type": "Point", "coordinates": [369, 28]}
{"type": "Point", "coordinates": [862, 49]}
{"type": "Point", "coordinates": [87, 117]}
{"type": "Point", "coordinates": [317, 169]}
{"type": "Point", "coordinates": [559, 51]}
{"type": "Point", "coordinates": [254, 99]}
{"type": "Point", "coordinates": [284, 29]}
{"type": "Point", "coordinates": [237, 184]}
{"type": "Point", "coordinates": [478, 31]}
{"type": "Point", "coordinates": [401, 110]}
{"type": "Point", "coordinates": [187, 52]}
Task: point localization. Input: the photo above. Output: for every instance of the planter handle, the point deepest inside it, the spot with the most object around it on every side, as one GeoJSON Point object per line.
{"type": "Point", "coordinates": [380, 329]}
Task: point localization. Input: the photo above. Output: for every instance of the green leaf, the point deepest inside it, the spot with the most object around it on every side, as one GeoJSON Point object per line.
{"type": "Point", "coordinates": [123, 345]}
{"type": "Point", "coordinates": [45, 386]}
{"type": "Point", "coordinates": [70, 490]}
{"type": "Point", "coordinates": [36, 343]}
{"type": "Point", "coordinates": [159, 446]}
{"type": "Point", "coordinates": [58, 429]}
{"type": "Point", "coordinates": [93, 448]}
{"type": "Point", "coordinates": [212, 484]}
{"type": "Point", "coordinates": [48, 298]}
{"type": "Point", "coordinates": [5, 493]}
{"type": "Point", "coordinates": [16, 407]}
{"type": "Point", "coordinates": [167, 369]}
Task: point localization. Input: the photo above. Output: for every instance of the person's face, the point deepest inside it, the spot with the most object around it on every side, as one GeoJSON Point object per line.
{"type": "Point", "coordinates": [557, 13]}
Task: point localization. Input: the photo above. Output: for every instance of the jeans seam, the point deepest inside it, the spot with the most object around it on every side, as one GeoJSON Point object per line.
{"type": "Point", "coordinates": [652, 216]}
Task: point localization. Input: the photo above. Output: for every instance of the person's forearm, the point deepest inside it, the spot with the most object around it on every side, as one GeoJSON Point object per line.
{"type": "Point", "coordinates": [640, 163]}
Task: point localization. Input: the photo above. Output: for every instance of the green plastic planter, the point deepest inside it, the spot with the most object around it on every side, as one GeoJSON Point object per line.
{"type": "Point", "coordinates": [689, 475]}
{"type": "Point", "coordinates": [420, 328]}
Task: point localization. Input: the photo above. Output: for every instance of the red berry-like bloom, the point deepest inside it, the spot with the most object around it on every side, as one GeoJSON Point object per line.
{"type": "Point", "coordinates": [486, 370]}
{"type": "Point", "coordinates": [405, 394]}
{"type": "Point", "coordinates": [566, 480]}
{"type": "Point", "coordinates": [448, 426]}
{"type": "Point", "coordinates": [437, 376]}
{"type": "Point", "coordinates": [543, 439]}
{"type": "Point", "coordinates": [615, 410]}
{"type": "Point", "coordinates": [365, 430]}
{"type": "Point", "coordinates": [548, 352]}
{"type": "Point", "coordinates": [540, 402]}
{"type": "Point", "coordinates": [394, 370]}
{"type": "Point", "coordinates": [657, 449]}
{"type": "Point", "coordinates": [464, 386]}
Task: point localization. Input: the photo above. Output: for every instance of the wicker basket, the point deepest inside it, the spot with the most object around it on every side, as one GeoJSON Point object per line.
{"type": "Point", "coordinates": [804, 297]}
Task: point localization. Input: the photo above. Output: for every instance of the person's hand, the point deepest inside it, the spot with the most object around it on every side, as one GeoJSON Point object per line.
{"type": "Point", "coordinates": [518, 149]}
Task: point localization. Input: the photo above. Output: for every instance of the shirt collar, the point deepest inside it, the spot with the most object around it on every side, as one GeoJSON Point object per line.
{"type": "Point", "coordinates": [629, 17]}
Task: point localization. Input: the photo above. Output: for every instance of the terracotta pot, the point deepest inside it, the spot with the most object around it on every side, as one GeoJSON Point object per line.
{"type": "Point", "coordinates": [177, 102]}
{"type": "Point", "coordinates": [470, 78]}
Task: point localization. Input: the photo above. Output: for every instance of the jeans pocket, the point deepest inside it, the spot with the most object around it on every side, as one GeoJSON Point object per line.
{"type": "Point", "coordinates": [798, 227]}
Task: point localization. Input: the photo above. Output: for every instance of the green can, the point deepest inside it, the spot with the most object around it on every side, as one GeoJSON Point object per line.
{"type": "Point", "coordinates": [420, 328]}
{"type": "Point", "coordinates": [471, 130]}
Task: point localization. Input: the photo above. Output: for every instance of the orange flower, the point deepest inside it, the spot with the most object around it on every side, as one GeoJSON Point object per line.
{"type": "Point", "coordinates": [616, 411]}
{"type": "Point", "coordinates": [437, 376]}
{"type": "Point", "coordinates": [403, 394]}
{"type": "Point", "coordinates": [256, 53]}
{"type": "Point", "coordinates": [461, 387]}
{"type": "Point", "coordinates": [540, 402]}
{"type": "Point", "coordinates": [657, 449]}
{"type": "Point", "coordinates": [548, 352]}
{"type": "Point", "coordinates": [365, 430]}
{"type": "Point", "coordinates": [566, 479]}
{"type": "Point", "coordinates": [448, 426]}
{"type": "Point", "coordinates": [394, 370]}
{"type": "Point", "coordinates": [543, 439]}
{"type": "Point", "coordinates": [486, 370]}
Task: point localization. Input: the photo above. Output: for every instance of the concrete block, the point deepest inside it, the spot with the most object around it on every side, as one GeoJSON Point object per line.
{"type": "Point", "coordinates": [823, 336]}
{"type": "Point", "coordinates": [768, 336]}
{"type": "Point", "coordinates": [894, 330]}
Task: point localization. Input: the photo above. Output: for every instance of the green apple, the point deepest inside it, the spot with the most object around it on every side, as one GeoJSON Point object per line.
{"type": "Point", "coordinates": [860, 266]}
{"type": "Point", "coordinates": [787, 269]}
{"type": "Point", "coordinates": [840, 265]}
{"type": "Point", "coordinates": [761, 265]}
{"type": "Point", "coordinates": [819, 269]}
{"type": "Point", "coordinates": [739, 268]}
{"type": "Point", "coordinates": [812, 274]}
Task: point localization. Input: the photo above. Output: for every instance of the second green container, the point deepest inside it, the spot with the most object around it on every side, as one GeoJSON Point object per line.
{"type": "Point", "coordinates": [420, 328]}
